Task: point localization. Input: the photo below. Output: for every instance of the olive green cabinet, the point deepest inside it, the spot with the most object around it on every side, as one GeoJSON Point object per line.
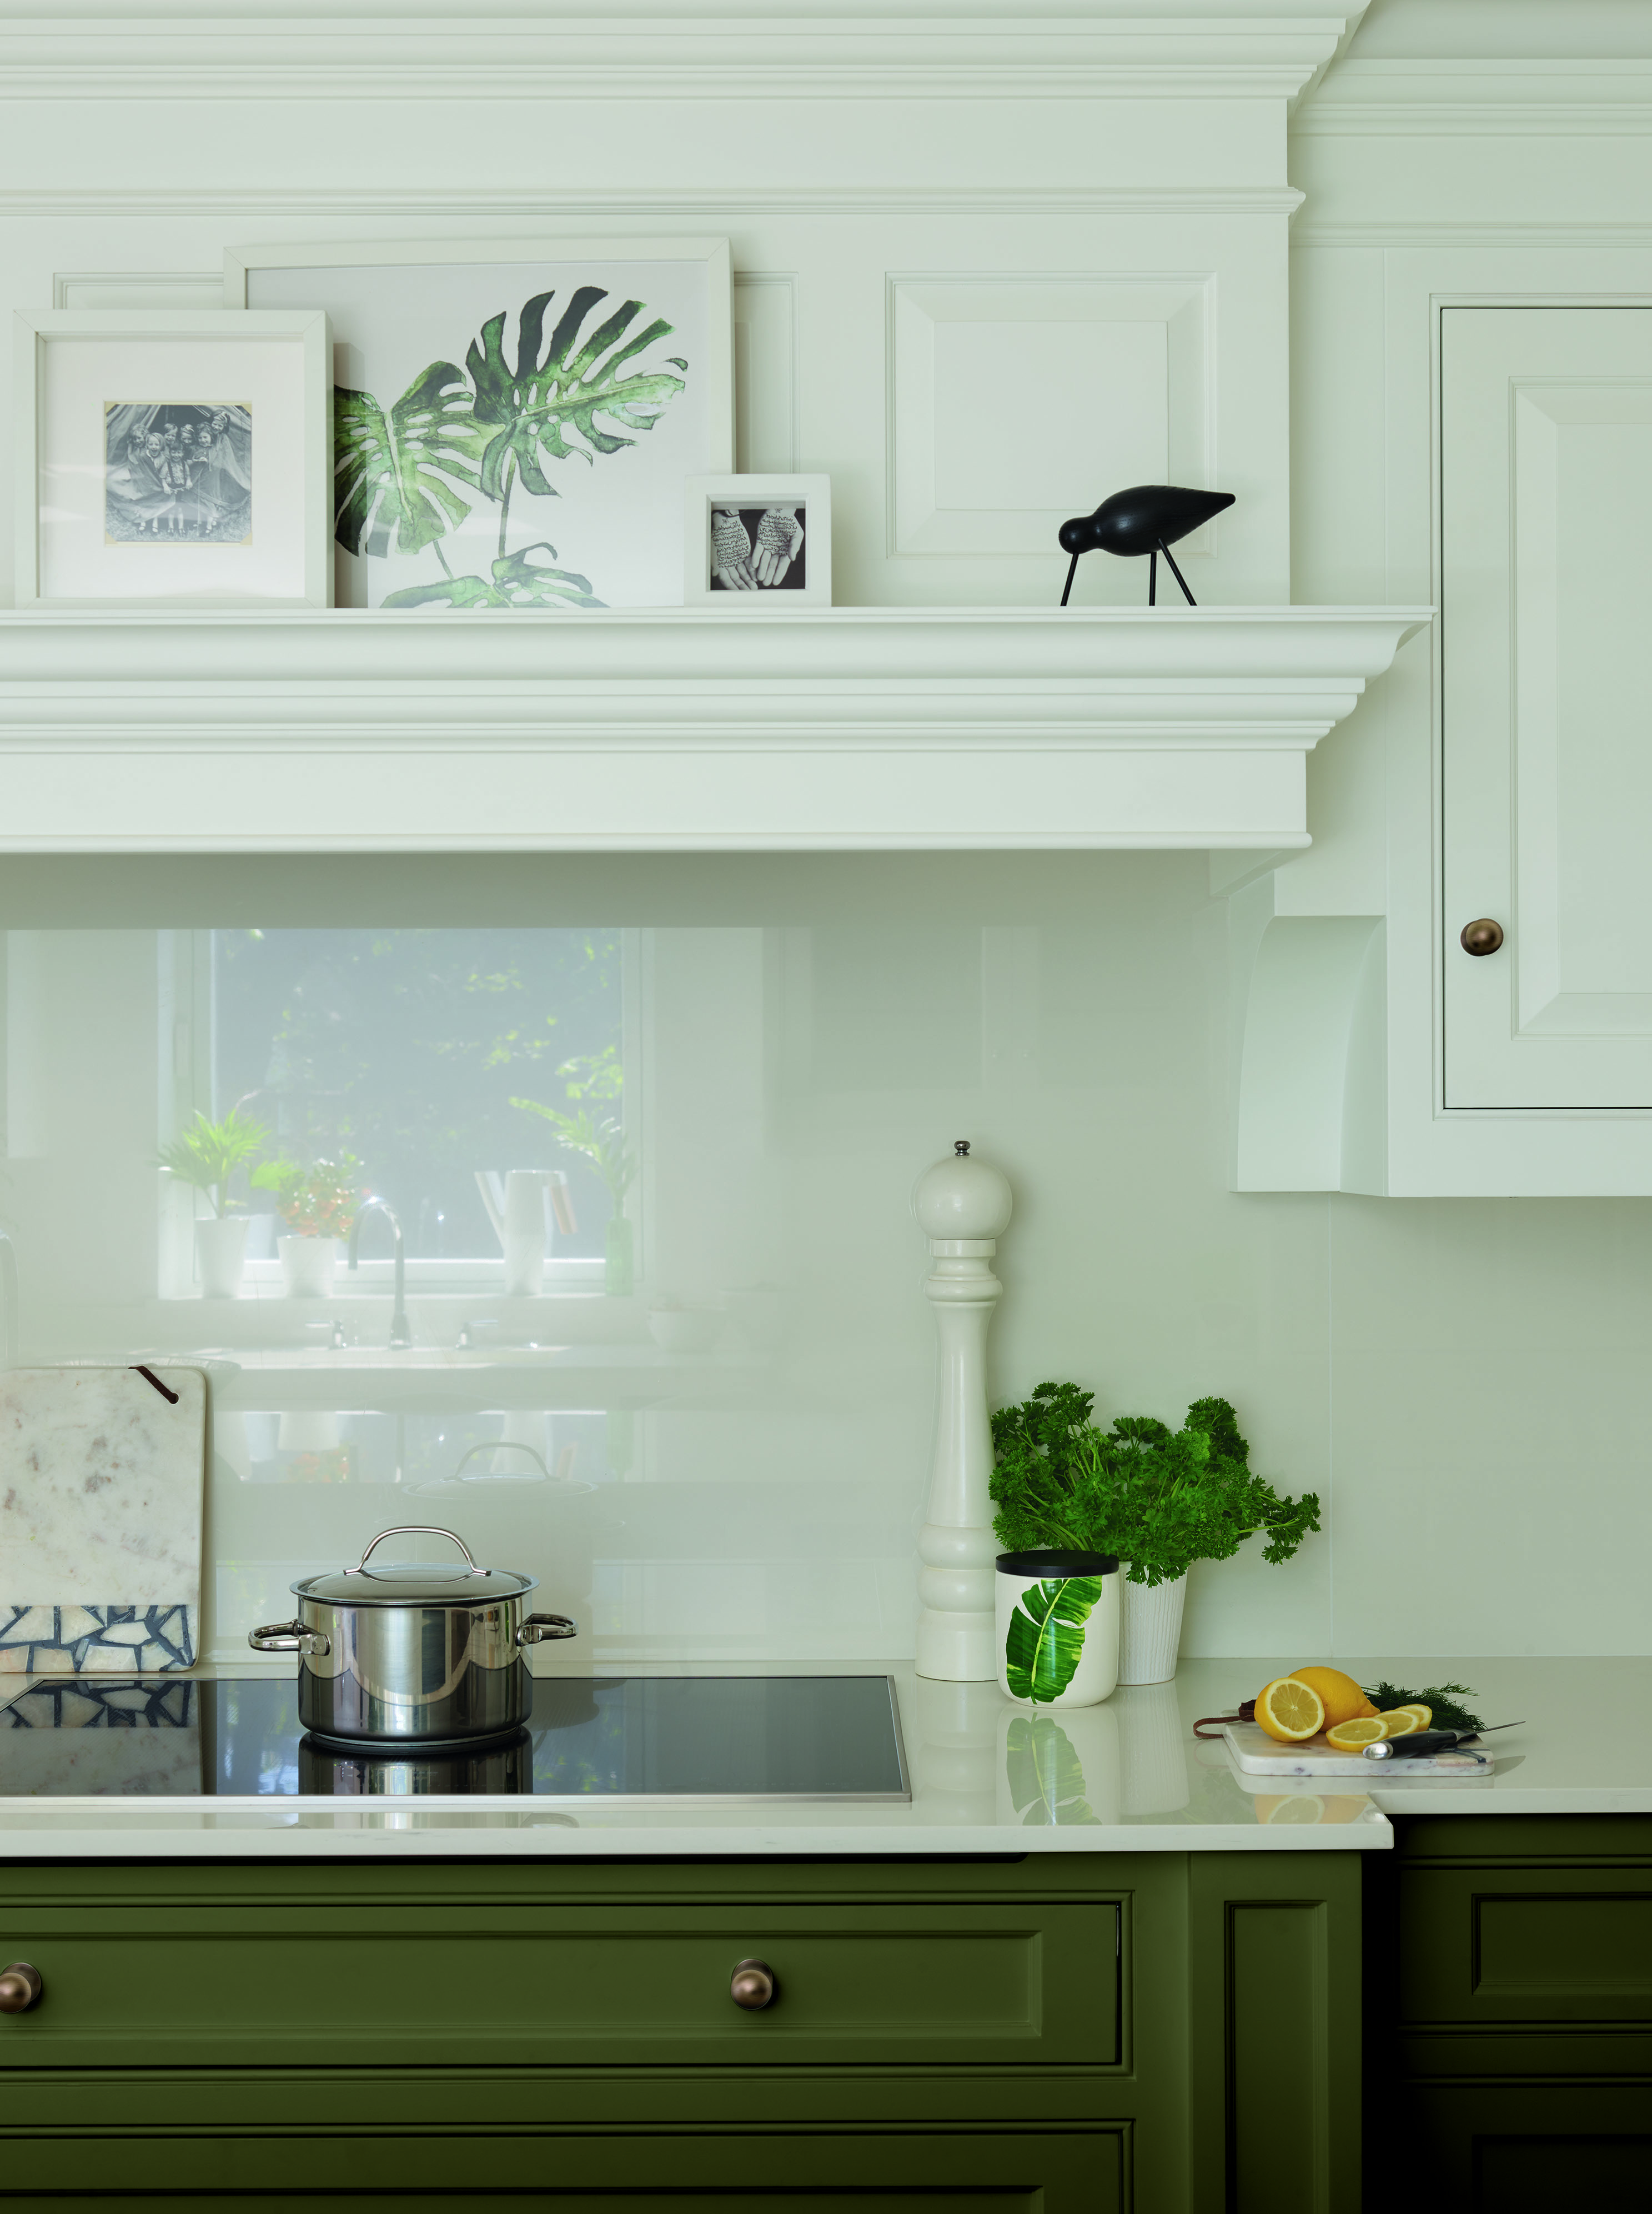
{"type": "Point", "coordinates": [1510, 1979]}
{"type": "Point", "coordinates": [1073, 2035]}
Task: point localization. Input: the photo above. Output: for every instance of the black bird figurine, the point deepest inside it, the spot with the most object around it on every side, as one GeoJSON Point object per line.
{"type": "Point", "coordinates": [1146, 519]}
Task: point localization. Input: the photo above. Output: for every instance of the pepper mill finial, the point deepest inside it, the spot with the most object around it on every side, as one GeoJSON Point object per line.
{"type": "Point", "coordinates": [963, 1205]}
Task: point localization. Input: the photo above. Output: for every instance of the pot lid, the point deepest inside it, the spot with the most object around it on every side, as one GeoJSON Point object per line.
{"type": "Point", "coordinates": [414, 1583]}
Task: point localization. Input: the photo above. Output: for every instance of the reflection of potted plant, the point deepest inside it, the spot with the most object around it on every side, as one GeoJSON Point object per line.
{"type": "Point", "coordinates": [318, 1203]}
{"type": "Point", "coordinates": [1158, 1499]}
{"type": "Point", "coordinates": [603, 1144]}
{"type": "Point", "coordinates": [206, 1156]}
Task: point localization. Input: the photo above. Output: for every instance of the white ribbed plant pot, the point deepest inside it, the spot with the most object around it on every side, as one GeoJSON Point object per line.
{"type": "Point", "coordinates": [1152, 1631]}
{"type": "Point", "coordinates": [307, 1265]}
{"type": "Point", "coordinates": [221, 1254]}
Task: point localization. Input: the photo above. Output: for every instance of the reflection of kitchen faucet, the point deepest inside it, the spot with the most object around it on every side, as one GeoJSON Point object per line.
{"type": "Point", "coordinates": [401, 1335]}
{"type": "Point", "coordinates": [8, 1271]}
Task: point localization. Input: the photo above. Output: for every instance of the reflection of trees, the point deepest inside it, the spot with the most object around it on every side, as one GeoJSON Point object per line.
{"type": "Point", "coordinates": [405, 1046]}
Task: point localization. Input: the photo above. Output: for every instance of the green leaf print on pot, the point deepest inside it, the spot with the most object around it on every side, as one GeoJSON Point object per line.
{"type": "Point", "coordinates": [1046, 1642]}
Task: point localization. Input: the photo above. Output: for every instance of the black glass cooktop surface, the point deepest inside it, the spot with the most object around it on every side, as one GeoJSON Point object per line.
{"type": "Point", "coordinates": [653, 1738]}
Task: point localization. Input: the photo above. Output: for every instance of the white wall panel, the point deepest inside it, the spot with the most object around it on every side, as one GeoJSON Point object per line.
{"type": "Point", "coordinates": [1015, 404]}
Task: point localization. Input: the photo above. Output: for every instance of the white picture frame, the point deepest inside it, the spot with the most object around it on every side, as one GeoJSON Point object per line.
{"type": "Point", "coordinates": [96, 527]}
{"type": "Point", "coordinates": [793, 573]}
{"type": "Point", "coordinates": [546, 507]}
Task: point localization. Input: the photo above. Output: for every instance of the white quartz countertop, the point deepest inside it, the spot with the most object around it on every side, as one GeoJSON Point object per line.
{"type": "Point", "coordinates": [1125, 1776]}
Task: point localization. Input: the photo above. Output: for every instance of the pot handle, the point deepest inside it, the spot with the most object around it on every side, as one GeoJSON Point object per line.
{"type": "Point", "coordinates": [289, 1638]}
{"type": "Point", "coordinates": [417, 1530]}
{"type": "Point", "coordinates": [539, 1629]}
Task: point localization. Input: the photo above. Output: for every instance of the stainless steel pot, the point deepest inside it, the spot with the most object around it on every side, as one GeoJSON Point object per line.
{"type": "Point", "coordinates": [413, 1653]}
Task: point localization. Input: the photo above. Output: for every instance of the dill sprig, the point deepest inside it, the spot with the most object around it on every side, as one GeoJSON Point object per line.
{"type": "Point", "coordinates": [1440, 1698]}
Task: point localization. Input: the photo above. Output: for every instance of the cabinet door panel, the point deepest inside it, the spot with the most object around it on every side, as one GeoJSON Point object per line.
{"type": "Point", "coordinates": [1545, 576]}
{"type": "Point", "coordinates": [1527, 2149]}
{"type": "Point", "coordinates": [866, 1986]}
{"type": "Point", "coordinates": [1485, 1945]}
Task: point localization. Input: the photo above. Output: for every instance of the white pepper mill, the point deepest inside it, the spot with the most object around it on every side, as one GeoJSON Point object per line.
{"type": "Point", "coordinates": [962, 1206]}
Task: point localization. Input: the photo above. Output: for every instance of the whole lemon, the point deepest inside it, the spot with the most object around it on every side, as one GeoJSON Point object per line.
{"type": "Point", "coordinates": [1344, 1699]}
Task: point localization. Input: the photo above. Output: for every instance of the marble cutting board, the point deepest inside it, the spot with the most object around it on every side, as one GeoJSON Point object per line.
{"type": "Point", "coordinates": [1254, 1752]}
{"type": "Point", "coordinates": [100, 1481]}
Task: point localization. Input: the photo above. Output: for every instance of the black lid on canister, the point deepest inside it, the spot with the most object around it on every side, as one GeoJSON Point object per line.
{"type": "Point", "coordinates": [1050, 1562]}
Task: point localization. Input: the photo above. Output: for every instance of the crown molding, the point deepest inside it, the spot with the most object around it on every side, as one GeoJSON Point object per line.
{"type": "Point", "coordinates": [500, 57]}
{"type": "Point", "coordinates": [1478, 98]}
{"type": "Point", "coordinates": [1518, 231]}
{"type": "Point", "coordinates": [851, 729]}
{"type": "Point", "coordinates": [532, 209]}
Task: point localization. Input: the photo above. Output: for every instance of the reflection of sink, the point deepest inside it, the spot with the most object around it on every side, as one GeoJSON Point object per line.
{"type": "Point", "coordinates": [335, 1358]}
{"type": "Point", "coordinates": [369, 1377]}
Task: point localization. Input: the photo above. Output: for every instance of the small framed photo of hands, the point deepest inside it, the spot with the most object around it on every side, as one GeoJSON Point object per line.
{"type": "Point", "coordinates": [758, 542]}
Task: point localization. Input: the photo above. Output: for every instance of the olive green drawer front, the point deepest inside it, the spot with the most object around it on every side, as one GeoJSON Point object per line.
{"type": "Point", "coordinates": [1485, 1945]}
{"type": "Point", "coordinates": [1080, 2171]}
{"type": "Point", "coordinates": [981, 1983]}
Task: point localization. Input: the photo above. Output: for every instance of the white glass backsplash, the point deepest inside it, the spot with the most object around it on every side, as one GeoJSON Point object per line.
{"type": "Point", "coordinates": [741, 1475]}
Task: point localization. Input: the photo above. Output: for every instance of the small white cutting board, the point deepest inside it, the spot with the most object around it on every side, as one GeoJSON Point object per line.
{"type": "Point", "coordinates": [100, 1478]}
{"type": "Point", "coordinates": [1254, 1752]}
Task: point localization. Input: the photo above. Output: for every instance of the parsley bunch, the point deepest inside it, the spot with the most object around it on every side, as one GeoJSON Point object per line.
{"type": "Point", "coordinates": [1158, 1498]}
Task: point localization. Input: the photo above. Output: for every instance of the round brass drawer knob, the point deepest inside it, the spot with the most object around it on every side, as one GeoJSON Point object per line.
{"type": "Point", "coordinates": [20, 1985]}
{"type": "Point", "coordinates": [752, 1985]}
{"type": "Point", "coordinates": [1482, 936]}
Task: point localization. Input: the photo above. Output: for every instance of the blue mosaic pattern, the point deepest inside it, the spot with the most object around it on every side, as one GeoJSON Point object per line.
{"type": "Point", "coordinates": [100, 1706]}
{"type": "Point", "coordinates": [95, 1640]}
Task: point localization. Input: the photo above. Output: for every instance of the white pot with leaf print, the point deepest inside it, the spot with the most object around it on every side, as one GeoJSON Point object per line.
{"type": "Point", "coordinates": [1058, 1628]}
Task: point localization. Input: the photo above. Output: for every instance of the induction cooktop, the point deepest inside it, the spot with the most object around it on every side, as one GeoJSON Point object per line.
{"type": "Point", "coordinates": [616, 1739]}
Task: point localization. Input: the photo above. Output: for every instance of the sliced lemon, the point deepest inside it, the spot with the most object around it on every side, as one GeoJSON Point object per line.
{"type": "Point", "coordinates": [1400, 1721]}
{"type": "Point", "coordinates": [1289, 1711]}
{"type": "Point", "coordinates": [1343, 1697]}
{"type": "Point", "coordinates": [1363, 1730]}
{"type": "Point", "coordinates": [1424, 1716]}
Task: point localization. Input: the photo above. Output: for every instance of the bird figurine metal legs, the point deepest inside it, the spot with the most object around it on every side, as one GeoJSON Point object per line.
{"type": "Point", "coordinates": [1145, 519]}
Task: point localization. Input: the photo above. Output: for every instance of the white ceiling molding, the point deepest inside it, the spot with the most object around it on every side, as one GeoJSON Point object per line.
{"type": "Point", "coordinates": [1518, 230]}
{"type": "Point", "coordinates": [358, 80]}
{"type": "Point", "coordinates": [1479, 99]}
{"type": "Point", "coordinates": [853, 729]}
{"type": "Point", "coordinates": [503, 55]}
{"type": "Point", "coordinates": [529, 208]}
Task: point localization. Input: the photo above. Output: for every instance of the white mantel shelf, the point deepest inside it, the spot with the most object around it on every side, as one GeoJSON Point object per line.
{"type": "Point", "coordinates": [845, 729]}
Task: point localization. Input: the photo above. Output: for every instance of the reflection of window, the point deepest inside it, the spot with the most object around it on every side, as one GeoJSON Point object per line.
{"type": "Point", "coordinates": [405, 1048]}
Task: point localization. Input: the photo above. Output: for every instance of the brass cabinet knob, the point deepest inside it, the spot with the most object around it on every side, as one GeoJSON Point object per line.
{"type": "Point", "coordinates": [1482, 936]}
{"type": "Point", "coordinates": [752, 1985]}
{"type": "Point", "coordinates": [20, 1985]}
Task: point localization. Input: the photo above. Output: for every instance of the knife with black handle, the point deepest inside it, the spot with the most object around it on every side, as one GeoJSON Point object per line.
{"type": "Point", "coordinates": [1423, 1743]}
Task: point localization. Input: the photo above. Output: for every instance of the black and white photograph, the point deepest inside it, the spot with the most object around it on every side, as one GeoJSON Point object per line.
{"type": "Point", "coordinates": [758, 549]}
{"type": "Point", "coordinates": [753, 542]}
{"type": "Point", "coordinates": [177, 473]}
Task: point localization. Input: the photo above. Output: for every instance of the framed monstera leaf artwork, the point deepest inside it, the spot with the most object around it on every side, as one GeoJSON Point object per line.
{"type": "Point", "coordinates": [513, 421]}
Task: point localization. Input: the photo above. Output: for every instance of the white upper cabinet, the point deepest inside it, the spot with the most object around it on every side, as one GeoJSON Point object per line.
{"type": "Point", "coordinates": [1546, 451]}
